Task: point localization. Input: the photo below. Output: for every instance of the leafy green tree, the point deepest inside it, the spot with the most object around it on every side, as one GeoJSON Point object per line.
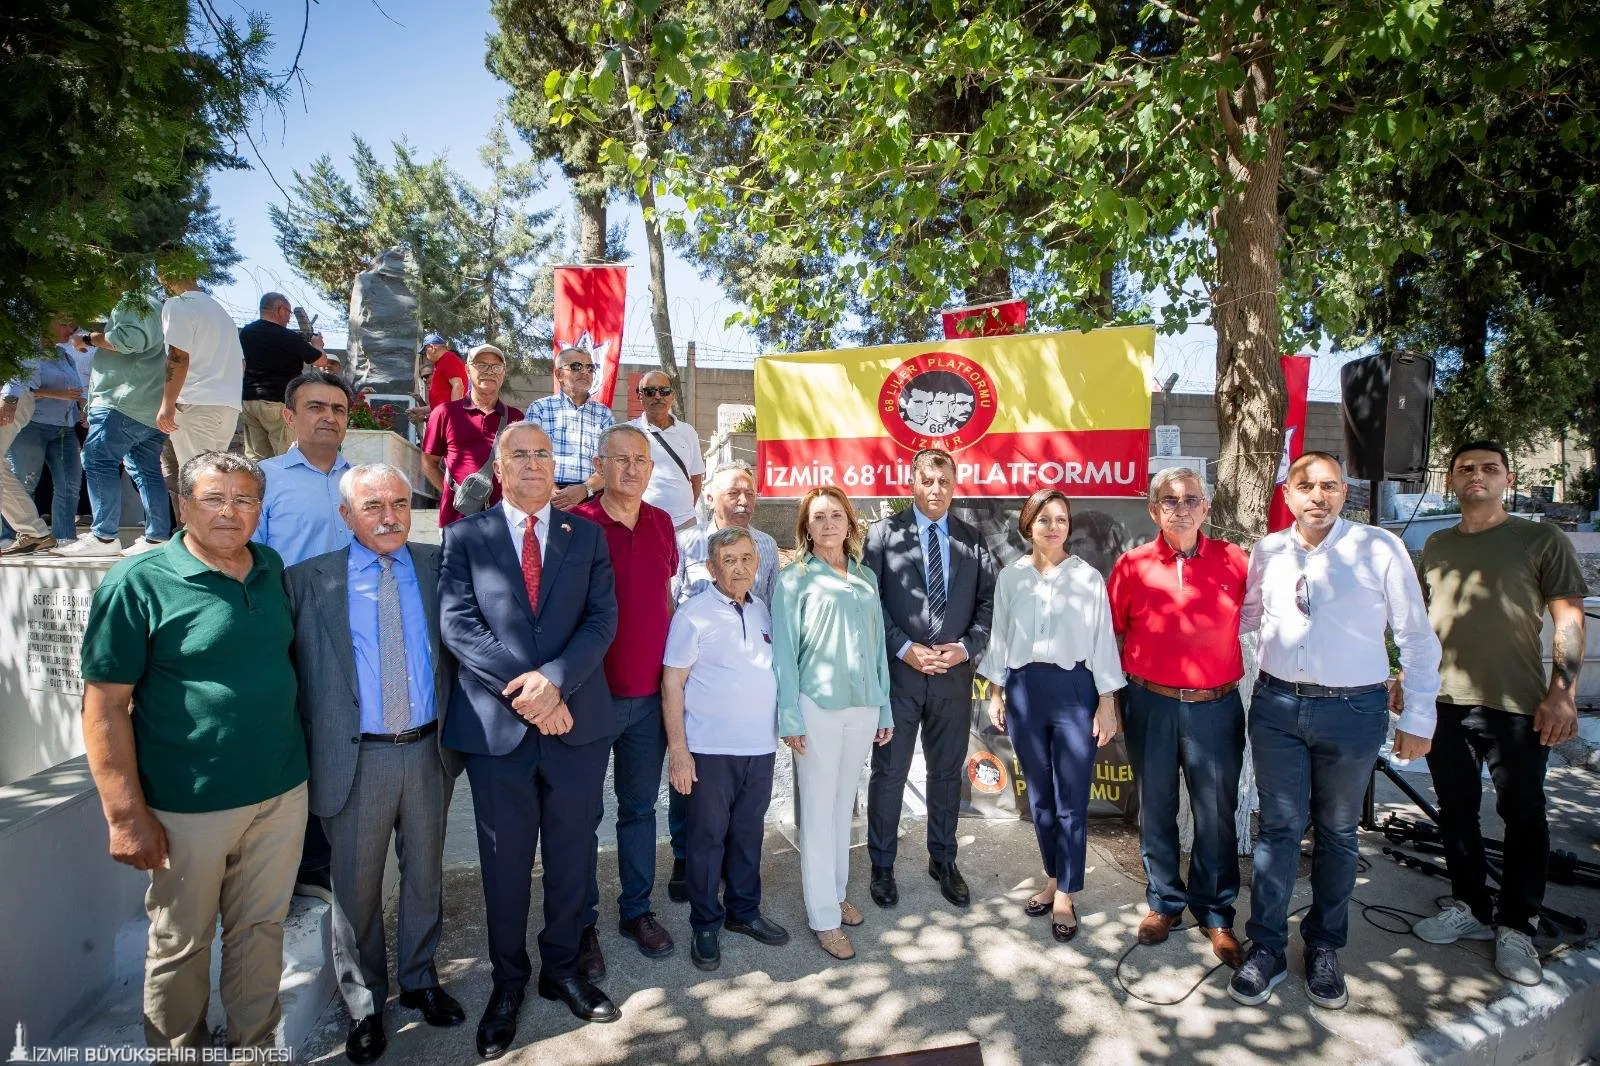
{"type": "Point", "coordinates": [1163, 138]}
{"type": "Point", "coordinates": [473, 254]}
{"type": "Point", "coordinates": [114, 110]}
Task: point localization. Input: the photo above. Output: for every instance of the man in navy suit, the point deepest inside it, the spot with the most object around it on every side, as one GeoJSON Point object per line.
{"type": "Point", "coordinates": [528, 609]}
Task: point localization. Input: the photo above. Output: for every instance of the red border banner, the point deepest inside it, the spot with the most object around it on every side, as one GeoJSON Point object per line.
{"type": "Point", "coordinates": [1296, 383]}
{"type": "Point", "coordinates": [1099, 462]}
{"type": "Point", "coordinates": [591, 302]}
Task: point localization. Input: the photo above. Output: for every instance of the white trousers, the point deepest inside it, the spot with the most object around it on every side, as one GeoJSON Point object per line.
{"type": "Point", "coordinates": [203, 428]}
{"type": "Point", "coordinates": [828, 776]}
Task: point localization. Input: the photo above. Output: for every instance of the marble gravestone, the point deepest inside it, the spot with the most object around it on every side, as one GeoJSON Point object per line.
{"type": "Point", "coordinates": [384, 330]}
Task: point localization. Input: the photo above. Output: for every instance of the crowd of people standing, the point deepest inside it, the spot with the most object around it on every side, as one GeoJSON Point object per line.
{"type": "Point", "coordinates": [291, 667]}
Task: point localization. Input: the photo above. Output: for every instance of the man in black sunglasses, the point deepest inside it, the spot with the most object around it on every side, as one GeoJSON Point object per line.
{"type": "Point", "coordinates": [680, 470]}
{"type": "Point", "coordinates": [574, 423]}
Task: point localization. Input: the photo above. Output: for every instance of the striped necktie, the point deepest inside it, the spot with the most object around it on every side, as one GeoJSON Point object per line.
{"type": "Point", "coordinates": [936, 589]}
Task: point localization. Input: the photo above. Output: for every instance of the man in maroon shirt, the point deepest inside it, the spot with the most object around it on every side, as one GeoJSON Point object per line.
{"type": "Point", "coordinates": [460, 433]}
{"type": "Point", "coordinates": [1175, 606]}
{"type": "Point", "coordinates": [644, 558]}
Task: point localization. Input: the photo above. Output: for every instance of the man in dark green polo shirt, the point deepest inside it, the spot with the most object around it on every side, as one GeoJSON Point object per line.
{"type": "Point", "coordinates": [189, 720]}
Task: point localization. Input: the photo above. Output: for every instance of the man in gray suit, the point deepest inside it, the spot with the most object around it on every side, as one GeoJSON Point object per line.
{"type": "Point", "coordinates": [373, 686]}
{"type": "Point", "coordinates": [936, 580]}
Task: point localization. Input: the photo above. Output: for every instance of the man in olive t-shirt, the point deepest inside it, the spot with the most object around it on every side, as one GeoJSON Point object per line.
{"type": "Point", "coordinates": [1489, 581]}
{"type": "Point", "coordinates": [197, 752]}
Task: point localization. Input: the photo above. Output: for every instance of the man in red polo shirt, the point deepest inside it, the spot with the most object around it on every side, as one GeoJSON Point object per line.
{"type": "Point", "coordinates": [1175, 606]}
{"type": "Point", "coordinates": [460, 434]}
{"type": "Point", "coordinates": [644, 558]}
{"type": "Point", "coordinates": [448, 379]}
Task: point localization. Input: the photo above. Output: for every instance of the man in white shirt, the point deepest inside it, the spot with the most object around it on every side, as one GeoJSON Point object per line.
{"type": "Point", "coordinates": [1321, 593]}
{"type": "Point", "coordinates": [205, 371]}
{"type": "Point", "coordinates": [719, 697]}
{"type": "Point", "coordinates": [680, 470]}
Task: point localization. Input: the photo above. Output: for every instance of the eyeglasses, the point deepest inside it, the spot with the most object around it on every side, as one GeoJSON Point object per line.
{"type": "Point", "coordinates": [538, 455]}
{"type": "Point", "coordinates": [1190, 503]}
{"type": "Point", "coordinates": [217, 503]}
{"type": "Point", "coordinates": [581, 368]}
{"type": "Point", "coordinates": [491, 369]}
{"type": "Point", "coordinates": [1302, 596]}
{"type": "Point", "coordinates": [628, 462]}
{"type": "Point", "coordinates": [655, 390]}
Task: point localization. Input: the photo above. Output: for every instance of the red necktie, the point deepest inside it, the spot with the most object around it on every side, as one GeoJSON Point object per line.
{"type": "Point", "coordinates": [532, 565]}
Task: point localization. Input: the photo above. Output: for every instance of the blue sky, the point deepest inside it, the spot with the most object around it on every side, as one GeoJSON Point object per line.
{"type": "Point", "coordinates": [414, 69]}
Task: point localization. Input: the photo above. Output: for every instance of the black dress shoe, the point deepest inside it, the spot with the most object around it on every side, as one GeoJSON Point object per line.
{"type": "Point", "coordinates": [366, 1041]}
{"type": "Point", "coordinates": [678, 883]}
{"type": "Point", "coordinates": [438, 1007]}
{"type": "Point", "coordinates": [591, 960]}
{"type": "Point", "coordinates": [884, 892]}
{"type": "Point", "coordinates": [704, 951]}
{"type": "Point", "coordinates": [582, 998]}
{"type": "Point", "coordinates": [759, 928]}
{"type": "Point", "coordinates": [498, 1026]}
{"type": "Point", "coordinates": [951, 883]}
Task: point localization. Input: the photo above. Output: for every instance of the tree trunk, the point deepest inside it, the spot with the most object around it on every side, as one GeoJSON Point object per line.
{"type": "Point", "coordinates": [660, 320]}
{"type": "Point", "coordinates": [592, 227]}
{"type": "Point", "coordinates": [1251, 403]}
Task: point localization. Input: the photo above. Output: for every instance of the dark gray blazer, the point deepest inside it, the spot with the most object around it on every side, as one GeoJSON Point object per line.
{"type": "Point", "coordinates": [325, 661]}
{"type": "Point", "coordinates": [895, 554]}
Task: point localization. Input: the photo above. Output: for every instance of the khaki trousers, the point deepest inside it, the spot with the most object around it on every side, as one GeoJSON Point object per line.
{"type": "Point", "coordinates": [16, 503]}
{"type": "Point", "coordinates": [240, 862]}
{"type": "Point", "coordinates": [203, 428]}
{"type": "Point", "coordinates": [265, 433]}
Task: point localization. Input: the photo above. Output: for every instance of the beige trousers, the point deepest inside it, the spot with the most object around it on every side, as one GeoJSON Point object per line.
{"type": "Point", "coordinates": [203, 428]}
{"type": "Point", "coordinates": [16, 503]}
{"type": "Point", "coordinates": [240, 862]}
{"type": "Point", "coordinates": [265, 434]}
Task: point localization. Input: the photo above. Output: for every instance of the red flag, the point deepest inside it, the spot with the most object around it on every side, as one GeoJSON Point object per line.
{"type": "Point", "coordinates": [1296, 380]}
{"type": "Point", "coordinates": [986, 320]}
{"type": "Point", "coordinates": [590, 303]}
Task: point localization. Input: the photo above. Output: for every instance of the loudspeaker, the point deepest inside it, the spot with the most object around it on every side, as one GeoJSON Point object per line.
{"type": "Point", "coordinates": [1387, 401]}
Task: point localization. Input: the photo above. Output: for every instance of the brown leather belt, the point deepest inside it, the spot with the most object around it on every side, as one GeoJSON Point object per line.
{"type": "Point", "coordinates": [1186, 695]}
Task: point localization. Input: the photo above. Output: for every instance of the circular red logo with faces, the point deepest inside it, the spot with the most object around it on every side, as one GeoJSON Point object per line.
{"type": "Point", "coordinates": [937, 400]}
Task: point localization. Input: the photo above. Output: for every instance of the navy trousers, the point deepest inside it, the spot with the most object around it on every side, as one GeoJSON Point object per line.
{"type": "Point", "coordinates": [1205, 741]}
{"type": "Point", "coordinates": [543, 795]}
{"type": "Point", "coordinates": [945, 724]}
{"type": "Point", "coordinates": [724, 829]}
{"type": "Point", "coordinates": [1313, 759]}
{"type": "Point", "coordinates": [1050, 718]}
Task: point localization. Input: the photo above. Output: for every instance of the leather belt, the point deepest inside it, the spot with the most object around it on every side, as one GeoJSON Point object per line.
{"type": "Point", "coordinates": [1185, 695]}
{"type": "Point", "coordinates": [402, 738]}
{"type": "Point", "coordinates": [1307, 690]}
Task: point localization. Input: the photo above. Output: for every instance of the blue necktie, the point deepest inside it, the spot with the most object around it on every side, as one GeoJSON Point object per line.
{"type": "Point", "coordinates": [936, 590]}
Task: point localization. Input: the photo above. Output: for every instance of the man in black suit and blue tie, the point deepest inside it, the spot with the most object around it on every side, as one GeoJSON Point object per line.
{"type": "Point", "coordinates": [936, 580]}
{"type": "Point", "coordinates": [528, 608]}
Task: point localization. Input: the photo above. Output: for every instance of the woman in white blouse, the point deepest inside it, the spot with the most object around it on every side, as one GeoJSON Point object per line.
{"type": "Point", "coordinates": [1053, 666]}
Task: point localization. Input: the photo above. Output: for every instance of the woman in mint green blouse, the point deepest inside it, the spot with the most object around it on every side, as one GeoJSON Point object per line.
{"type": "Point", "coordinates": [833, 697]}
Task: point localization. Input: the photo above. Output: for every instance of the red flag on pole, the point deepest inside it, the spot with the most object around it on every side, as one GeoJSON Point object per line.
{"type": "Point", "coordinates": [1296, 381]}
{"type": "Point", "coordinates": [986, 320]}
{"type": "Point", "coordinates": [590, 305]}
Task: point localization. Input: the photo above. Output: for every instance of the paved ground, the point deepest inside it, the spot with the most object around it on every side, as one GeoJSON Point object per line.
{"type": "Point", "coordinates": [928, 974]}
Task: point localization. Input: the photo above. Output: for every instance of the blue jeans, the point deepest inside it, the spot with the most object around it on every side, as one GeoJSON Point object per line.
{"type": "Point", "coordinates": [1313, 759]}
{"type": "Point", "coordinates": [639, 752]}
{"type": "Point", "coordinates": [114, 436]}
{"type": "Point", "coordinates": [1206, 741]}
{"type": "Point", "coordinates": [38, 446]}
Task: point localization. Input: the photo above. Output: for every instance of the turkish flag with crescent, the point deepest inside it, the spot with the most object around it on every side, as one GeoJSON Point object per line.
{"type": "Point", "coordinates": [590, 306]}
{"type": "Point", "coordinates": [986, 320]}
{"type": "Point", "coordinates": [1296, 382]}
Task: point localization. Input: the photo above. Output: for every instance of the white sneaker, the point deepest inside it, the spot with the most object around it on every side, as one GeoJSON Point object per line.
{"type": "Point", "coordinates": [142, 545]}
{"type": "Point", "coordinates": [89, 546]}
{"type": "Point", "coordinates": [1515, 958]}
{"type": "Point", "coordinates": [1455, 922]}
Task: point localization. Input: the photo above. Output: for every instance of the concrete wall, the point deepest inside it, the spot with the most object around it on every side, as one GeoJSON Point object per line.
{"type": "Point", "coordinates": [40, 702]}
{"type": "Point", "coordinates": [66, 901]}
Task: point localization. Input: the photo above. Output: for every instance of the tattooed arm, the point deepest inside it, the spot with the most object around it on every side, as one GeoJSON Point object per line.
{"type": "Point", "coordinates": [1557, 716]}
{"type": "Point", "coordinates": [177, 370]}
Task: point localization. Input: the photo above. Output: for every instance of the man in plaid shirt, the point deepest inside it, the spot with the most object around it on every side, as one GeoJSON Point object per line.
{"type": "Point", "coordinates": [574, 424]}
